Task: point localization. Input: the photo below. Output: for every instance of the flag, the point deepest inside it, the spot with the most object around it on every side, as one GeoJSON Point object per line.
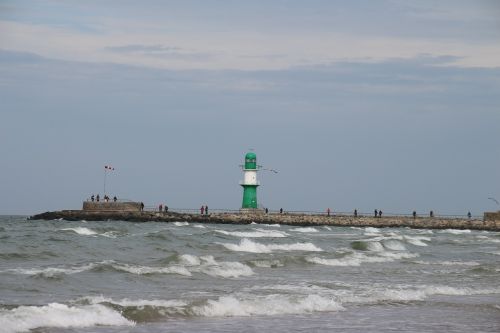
{"type": "Point", "coordinates": [108, 167]}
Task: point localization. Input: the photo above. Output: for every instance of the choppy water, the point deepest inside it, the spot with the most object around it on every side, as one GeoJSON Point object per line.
{"type": "Point", "coordinates": [58, 276]}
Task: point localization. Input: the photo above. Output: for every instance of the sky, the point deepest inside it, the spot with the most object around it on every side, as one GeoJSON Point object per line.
{"type": "Point", "coordinates": [391, 105]}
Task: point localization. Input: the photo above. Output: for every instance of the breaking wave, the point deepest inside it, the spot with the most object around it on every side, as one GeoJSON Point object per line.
{"type": "Point", "coordinates": [81, 231]}
{"type": "Point", "coordinates": [26, 318]}
{"type": "Point", "coordinates": [266, 305]}
{"type": "Point", "coordinates": [305, 229]}
{"type": "Point", "coordinates": [456, 231]}
{"type": "Point", "coordinates": [258, 233]}
{"type": "Point", "coordinates": [246, 245]}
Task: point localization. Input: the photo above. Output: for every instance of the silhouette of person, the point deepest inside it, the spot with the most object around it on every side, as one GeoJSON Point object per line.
{"type": "Point", "coordinates": [376, 213]}
{"type": "Point", "coordinates": [328, 212]}
{"type": "Point", "coordinates": [431, 214]}
{"type": "Point", "coordinates": [414, 214]}
{"type": "Point", "coordinates": [281, 210]}
{"type": "Point", "coordinates": [380, 213]}
{"type": "Point", "coordinates": [202, 210]}
{"type": "Point", "coordinates": [206, 210]}
{"type": "Point", "coordinates": [355, 213]}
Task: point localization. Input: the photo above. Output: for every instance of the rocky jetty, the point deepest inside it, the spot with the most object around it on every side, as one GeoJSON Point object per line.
{"type": "Point", "coordinates": [288, 218]}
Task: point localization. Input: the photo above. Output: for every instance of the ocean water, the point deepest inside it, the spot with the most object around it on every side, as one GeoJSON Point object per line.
{"type": "Point", "coordinates": [59, 276]}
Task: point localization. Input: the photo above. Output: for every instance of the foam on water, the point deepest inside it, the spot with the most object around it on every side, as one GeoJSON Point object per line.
{"type": "Point", "coordinates": [305, 229]}
{"type": "Point", "coordinates": [199, 226]}
{"type": "Point", "coordinates": [188, 264]}
{"type": "Point", "coordinates": [357, 258]}
{"type": "Point", "coordinates": [448, 263]}
{"type": "Point", "coordinates": [141, 270]}
{"type": "Point", "coordinates": [50, 272]}
{"type": "Point", "coordinates": [26, 318]}
{"type": "Point", "coordinates": [181, 224]}
{"type": "Point", "coordinates": [456, 231]}
{"type": "Point", "coordinates": [258, 233]}
{"type": "Point", "coordinates": [129, 302]}
{"type": "Point", "coordinates": [247, 245]}
{"type": "Point", "coordinates": [266, 305]}
{"type": "Point", "coordinates": [394, 245]}
{"type": "Point", "coordinates": [81, 231]}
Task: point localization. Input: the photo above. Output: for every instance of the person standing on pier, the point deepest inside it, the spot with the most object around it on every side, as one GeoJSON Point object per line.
{"type": "Point", "coordinates": [376, 212]}
{"type": "Point", "coordinates": [206, 210]}
{"type": "Point", "coordinates": [379, 213]}
{"type": "Point", "coordinates": [142, 206]}
{"type": "Point", "coordinates": [356, 213]}
{"type": "Point", "coordinates": [202, 210]}
{"type": "Point", "coordinates": [328, 212]}
{"type": "Point", "coordinates": [92, 198]}
{"type": "Point", "coordinates": [414, 214]}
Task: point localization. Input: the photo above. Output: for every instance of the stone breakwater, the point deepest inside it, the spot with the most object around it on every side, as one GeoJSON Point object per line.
{"type": "Point", "coordinates": [290, 219]}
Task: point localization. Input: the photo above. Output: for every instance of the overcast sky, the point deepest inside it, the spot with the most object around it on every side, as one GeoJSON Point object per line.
{"type": "Point", "coordinates": [393, 105]}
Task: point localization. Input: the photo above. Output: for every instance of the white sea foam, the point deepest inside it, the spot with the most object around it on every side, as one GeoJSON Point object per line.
{"type": "Point", "coordinates": [81, 231]}
{"type": "Point", "coordinates": [456, 231]}
{"type": "Point", "coordinates": [371, 230]}
{"type": "Point", "coordinates": [26, 318]}
{"type": "Point", "coordinates": [356, 259]}
{"type": "Point", "coordinates": [417, 240]}
{"type": "Point", "coordinates": [394, 245]}
{"type": "Point", "coordinates": [266, 305]}
{"type": "Point", "coordinates": [258, 233]}
{"type": "Point", "coordinates": [305, 229]}
{"type": "Point", "coordinates": [448, 263]}
{"type": "Point", "coordinates": [199, 226]}
{"type": "Point", "coordinates": [246, 245]}
{"type": "Point", "coordinates": [137, 303]}
{"type": "Point", "coordinates": [53, 271]}
{"type": "Point", "coordinates": [141, 270]}
{"type": "Point", "coordinates": [188, 264]}
{"type": "Point", "coordinates": [327, 228]}
{"type": "Point", "coordinates": [181, 224]}
{"type": "Point", "coordinates": [374, 246]}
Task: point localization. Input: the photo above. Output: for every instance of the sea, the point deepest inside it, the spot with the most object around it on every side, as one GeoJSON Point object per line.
{"type": "Point", "coordinates": [116, 276]}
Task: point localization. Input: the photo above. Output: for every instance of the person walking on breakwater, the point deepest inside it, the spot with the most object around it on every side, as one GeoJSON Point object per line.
{"type": "Point", "coordinates": [469, 215]}
{"type": "Point", "coordinates": [142, 206]}
{"type": "Point", "coordinates": [380, 214]}
{"type": "Point", "coordinates": [202, 210]}
{"type": "Point", "coordinates": [206, 210]}
{"type": "Point", "coordinates": [97, 198]}
{"type": "Point", "coordinates": [414, 214]}
{"type": "Point", "coordinates": [92, 198]}
{"type": "Point", "coordinates": [328, 212]}
{"type": "Point", "coordinates": [431, 214]}
{"type": "Point", "coordinates": [355, 213]}
{"type": "Point", "coordinates": [281, 210]}
{"type": "Point", "coordinates": [160, 208]}
{"type": "Point", "coordinates": [267, 210]}
{"type": "Point", "coordinates": [115, 198]}
{"type": "Point", "coordinates": [376, 212]}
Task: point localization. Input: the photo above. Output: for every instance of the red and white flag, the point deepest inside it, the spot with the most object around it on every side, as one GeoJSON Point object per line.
{"type": "Point", "coordinates": [108, 167]}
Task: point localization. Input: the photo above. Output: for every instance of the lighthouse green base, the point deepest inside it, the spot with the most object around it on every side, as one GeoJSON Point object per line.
{"type": "Point", "coordinates": [249, 196]}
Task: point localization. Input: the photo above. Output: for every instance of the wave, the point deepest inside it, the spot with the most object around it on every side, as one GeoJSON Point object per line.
{"type": "Point", "coordinates": [199, 226]}
{"type": "Point", "coordinates": [456, 231]}
{"type": "Point", "coordinates": [187, 264]}
{"type": "Point", "coordinates": [266, 305]}
{"type": "Point", "coordinates": [305, 229]}
{"type": "Point", "coordinates": [181, 224]}
{"type": "Point", "coordinates": [356, 259]}
{"type": "Point", "coordinates": [264, 263]}
{"type": "Point", "coordinates": [448, 263]}
{"type": "Point", "coordinates": [417, 240]}
{"type": "Point", "coordinates": [26, 318]}
{"type": "Point", "coordinates": [258, 233]}
{"type": "Point", "coordinates": [247, 245]}
{"type": "Point", "coordinates": [51, 272]}
{"type": "Point", "coordinates": [81, 231]}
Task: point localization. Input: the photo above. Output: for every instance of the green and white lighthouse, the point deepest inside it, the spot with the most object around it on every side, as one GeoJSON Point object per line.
{"type": "Point", "coordinates": [250, 182]}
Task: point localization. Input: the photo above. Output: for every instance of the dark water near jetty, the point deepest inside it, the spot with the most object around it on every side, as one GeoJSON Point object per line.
{"type": "Point", "coordinates": [58, 276]}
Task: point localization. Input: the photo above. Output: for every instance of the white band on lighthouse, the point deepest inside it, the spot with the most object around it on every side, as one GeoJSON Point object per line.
{"type": "Point", "coordinates": [250, 177]}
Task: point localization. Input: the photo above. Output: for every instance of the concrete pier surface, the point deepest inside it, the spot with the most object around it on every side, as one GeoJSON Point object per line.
{"type": "Point", "coordinates": [274, 218]}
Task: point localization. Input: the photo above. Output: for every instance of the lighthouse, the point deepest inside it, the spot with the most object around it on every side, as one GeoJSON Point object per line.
{"type": "Point", "coordinates": [250, 182]}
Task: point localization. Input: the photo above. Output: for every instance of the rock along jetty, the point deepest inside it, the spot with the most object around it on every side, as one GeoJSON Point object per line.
{"type": "Point", "coordinates": [272, 218]}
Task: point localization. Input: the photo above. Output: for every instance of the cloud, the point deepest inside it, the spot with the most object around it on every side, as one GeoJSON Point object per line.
{"type": "Point", "coordinates": [161, 51]}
